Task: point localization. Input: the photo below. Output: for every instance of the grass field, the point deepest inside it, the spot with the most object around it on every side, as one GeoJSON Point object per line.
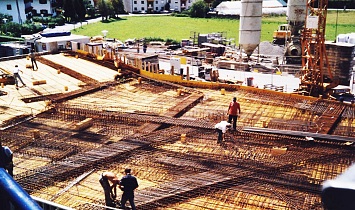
{"type": "Point", "coordinates": [178, 28]}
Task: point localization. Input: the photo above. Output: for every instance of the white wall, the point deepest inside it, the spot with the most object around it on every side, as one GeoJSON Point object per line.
{"type": "Point", "coordinates": [14, 11]}
{"type": "Point", "coordinates": [38, 7]}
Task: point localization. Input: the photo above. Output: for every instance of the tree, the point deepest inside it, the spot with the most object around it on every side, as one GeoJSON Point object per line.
{"type": "Point", "coordinates": [69, 11]}
{"type": "Point", "coordinates": [167, 6]}
{"type": "Point", "coordinates": [74, 10]}
{"type": "Point", "coordinates": [199, 9]}
{"type": "Point", "coordinates": [105, 8]}
{"type": "Point", "coordinates": [80, 10]}
{"type": "Point", "coordinates": [118, 7]}
{"type": "Point", "coordinates": [90, 10]}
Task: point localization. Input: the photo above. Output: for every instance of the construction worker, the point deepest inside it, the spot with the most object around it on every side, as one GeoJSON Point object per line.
{"type": "Point", "coordinates": [221, 129]}
{"type": "Point", "coordinates": [110, 190]}
{"type": "Point", "coordinates": [33, 60]}
{"type": "Point", "coordinates": [6, 159]}
{"type": "Point", "coordinates": [145, 47]}
{"type": "Point", "coordinates": [128, 184]}
{"type": "Point", "coordinates": [233, 112]}
{"type": "Point", "coordinates": [16, 71]}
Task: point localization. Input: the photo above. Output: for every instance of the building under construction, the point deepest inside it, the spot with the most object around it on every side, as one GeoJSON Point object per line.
{"type": "Point", "coordinates": [79, 117]}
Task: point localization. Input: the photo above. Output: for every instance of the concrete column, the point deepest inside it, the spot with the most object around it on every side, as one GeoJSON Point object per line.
{"type": "Point", "coordinates": [187, 73]}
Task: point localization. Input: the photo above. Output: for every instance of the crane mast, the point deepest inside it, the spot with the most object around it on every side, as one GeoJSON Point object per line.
{"type": "Point", "coordinates": [314, 58]}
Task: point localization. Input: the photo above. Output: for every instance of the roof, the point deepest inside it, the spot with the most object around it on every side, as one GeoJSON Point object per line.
{"type": "Point", "coordinates": [72, 37]}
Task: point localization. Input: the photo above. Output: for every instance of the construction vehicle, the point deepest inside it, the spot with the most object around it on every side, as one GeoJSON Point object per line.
{"type": "Point", "coordinates": [282, 34]}
{"type": "Point", "coordinates": [290, 34]}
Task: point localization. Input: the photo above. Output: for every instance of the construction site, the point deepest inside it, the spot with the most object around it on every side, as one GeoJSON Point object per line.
{"type": "Point", "coordinates": [83, 113]}
{"type": "Point", "coordinates": [83, 120]}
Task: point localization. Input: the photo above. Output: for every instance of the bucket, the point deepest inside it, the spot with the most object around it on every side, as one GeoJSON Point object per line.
{"type": "Point", "coordinates": [183, 138]}
{"type": "Point", "coordinates": [223, 91]}
{"type": "Point", "coordinates": [179, 92]}
{"type": "Point", "coordinates": [264, 124]}
{"type": "Point", "coordinates": [36, 134]}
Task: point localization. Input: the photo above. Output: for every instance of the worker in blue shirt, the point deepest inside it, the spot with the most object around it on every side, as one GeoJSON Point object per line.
{"type": "Point", "coordinates": [128, 184]}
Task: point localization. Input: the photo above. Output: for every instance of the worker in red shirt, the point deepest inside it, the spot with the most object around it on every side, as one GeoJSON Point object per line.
{"type": "Point", "coordinates": [233, 112]}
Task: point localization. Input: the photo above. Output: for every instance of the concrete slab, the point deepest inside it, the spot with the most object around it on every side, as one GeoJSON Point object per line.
{"type": "Point", "coordinates": [92, 70]}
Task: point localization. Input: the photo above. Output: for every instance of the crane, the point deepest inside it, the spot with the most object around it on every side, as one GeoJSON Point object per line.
{"type": "Point", "coordinates": [314, 57]}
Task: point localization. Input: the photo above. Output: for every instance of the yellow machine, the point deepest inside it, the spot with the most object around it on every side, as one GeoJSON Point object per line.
{"type": "Point", "coordinates": [282, 34]}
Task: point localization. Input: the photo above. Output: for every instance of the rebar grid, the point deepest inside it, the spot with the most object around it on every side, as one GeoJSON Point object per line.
{"type": "Point", "coordinates": [128, 97]}
{"type": "Point", "coordinates": [194, 173]}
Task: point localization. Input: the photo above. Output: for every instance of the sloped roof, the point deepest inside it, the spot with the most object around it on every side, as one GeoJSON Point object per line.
{"type": "Point", "coordinates": [234, 7]}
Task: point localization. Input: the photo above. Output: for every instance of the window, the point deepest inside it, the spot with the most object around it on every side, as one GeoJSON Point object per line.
{"type": "Point", "coordinates": [142, 2]}
{"type": "Point", "coordinates": [34, 12]}
{"type": "Point", "coordinates": [135, 9]}
{"type": "Point", "coordinates": [142, 9]}
{"type": "Point", "coordinates": [9, 7]}
{"type": "Point", "coordinates": [44, 12]}
{"type": "Point", "coordinates": [135, 2]}
{"type": "Point", "coordinates": [156, 8]}
{"type": "Point", "coordinates": [43, 1]}
{"type": "Point", "coordinates": [156, 2]}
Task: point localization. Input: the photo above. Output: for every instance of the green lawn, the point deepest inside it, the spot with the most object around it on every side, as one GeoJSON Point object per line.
{"type": "Point", "coordinates": [178, 28]}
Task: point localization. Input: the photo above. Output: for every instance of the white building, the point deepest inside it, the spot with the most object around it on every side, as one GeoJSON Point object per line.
{"type": "Point", "coordinates": [153, 6]}
{"type": "Point", "coordinates": [19, 9]}
{"type": "Point", "coordinates": [45, 7]}
{"type": "Point", "coordinates": [16, 9]}
{"type": "Point", "coordinates": [59, 41]}
{"type": "Point", "coordinates": [234, 7]}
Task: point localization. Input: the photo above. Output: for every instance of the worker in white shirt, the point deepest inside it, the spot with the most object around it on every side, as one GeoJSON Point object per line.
{"type": "Point", "coordinates": [16, 71]}
{"type": "Point", "coordinates": [221, 129]}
